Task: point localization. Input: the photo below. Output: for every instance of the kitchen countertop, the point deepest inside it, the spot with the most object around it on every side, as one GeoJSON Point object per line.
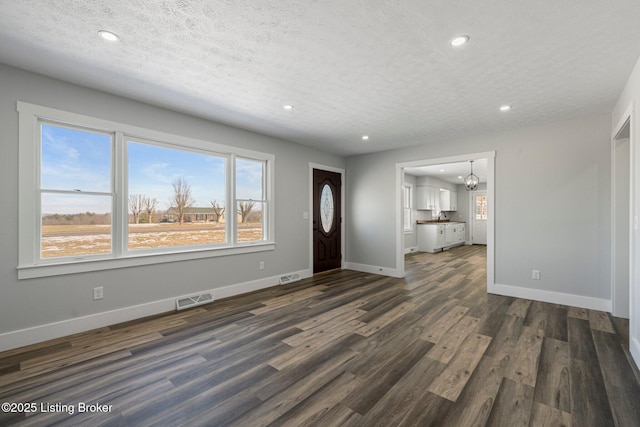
{"type": "Point", "coordinates": [433, 221]}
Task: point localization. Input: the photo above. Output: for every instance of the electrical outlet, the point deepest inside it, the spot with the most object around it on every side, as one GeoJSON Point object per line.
{"type": "Point", "coordinates": [261, 265]}
{"type": "Point", "coordinates": [98, 293]}
{"type": "Point", "coordinates": [535, 274]}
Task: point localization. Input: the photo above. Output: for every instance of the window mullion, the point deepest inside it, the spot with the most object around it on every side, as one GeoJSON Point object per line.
{"type": "Point", "coordinates": [119, 188]}
{"type": "Point", "coordinates": [232, 216]}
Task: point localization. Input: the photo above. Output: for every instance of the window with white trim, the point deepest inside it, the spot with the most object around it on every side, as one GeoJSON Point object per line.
{"type": "Point", "coordinates": [407, 206]}
{"type": "Point", "coordinates": [95, 194]}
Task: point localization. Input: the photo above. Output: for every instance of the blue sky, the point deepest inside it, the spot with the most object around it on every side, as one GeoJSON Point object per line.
{"type": "Point", "coordinates": [79, 160]}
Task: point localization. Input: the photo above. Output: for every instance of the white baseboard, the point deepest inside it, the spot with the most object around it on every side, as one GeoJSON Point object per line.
{"type": "Point", "coordinates": [365, 268]}
{"type": "Point", "coordinates": [410, 250]}
{"type": "Point", "coordinates": [36, 334]}
{"type": "Point", "coordinates": [551, 297]}
{"type": "Point", "coordinates": [634, 349]}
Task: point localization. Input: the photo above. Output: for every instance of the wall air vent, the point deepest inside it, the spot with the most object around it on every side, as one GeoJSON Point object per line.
{"type": "Point", "coordinates": [288, 278]}
{"type": "Point", "coordinates": [194, 300]}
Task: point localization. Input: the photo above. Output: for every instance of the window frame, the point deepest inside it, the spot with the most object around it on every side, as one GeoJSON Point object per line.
{"type": "Point", "coordinates": [30, 263]}
{"type": "Point", "coordinates": [483, 207]}
{"type": "Point", "coordinates": [265, 198]}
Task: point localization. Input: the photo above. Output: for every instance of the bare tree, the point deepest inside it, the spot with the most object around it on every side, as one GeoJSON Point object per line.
{"type": "Point", "coordinates": [218, 210]}
{"type": "Point", "coordinates": [135, 206]}
{"type": "Point", "coordinates": [149, 206]}
{"type": "Point", "coordinates": [245, 209]}
{"type": "Point", "coordinates": [181, 199]}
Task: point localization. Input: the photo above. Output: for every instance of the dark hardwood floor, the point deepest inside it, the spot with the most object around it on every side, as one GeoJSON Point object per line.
{"type": "Point", "coordinates": [340, 349]}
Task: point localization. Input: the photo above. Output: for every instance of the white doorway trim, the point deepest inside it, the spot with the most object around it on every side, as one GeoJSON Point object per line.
{"type": "Point", "coordinates": [309, 213]}
{"type": "Point", "coordinates": [628, 118]}
{"type": "Point", "coordinates": [621, 221]}
{"type": "Point", "coordinates": [490, 156]}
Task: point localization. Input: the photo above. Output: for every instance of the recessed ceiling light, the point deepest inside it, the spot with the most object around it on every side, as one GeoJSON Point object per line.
{"type": "Point", "coordinates": [459, 41]}
{"type": "Point", "coordinates": [505, 108]}
{"type": "Point", "coordinates": [108, 35]}
{"type": "Point", "coordinates": [365, 137]}
{"type": "Point", "coordinates": [441, 170]}
{"type": "Point", "coordinates": [459, 176]}
{"type": "Point", "coordinates": [288, 107]}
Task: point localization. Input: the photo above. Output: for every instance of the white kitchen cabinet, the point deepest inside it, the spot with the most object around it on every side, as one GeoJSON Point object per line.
{"type": "Point", "coordinates": [448, 200]}
{"type": "Point", "coordinates": [431, 237]}
{"type": "Point", "coordinates": [422, 197]}
{"type": "Point", "coordinates": [435, 198]}
{"type": "Point", "coordinates": [427, 198]}
{"type": "Point", "coordinates": [461, 233]}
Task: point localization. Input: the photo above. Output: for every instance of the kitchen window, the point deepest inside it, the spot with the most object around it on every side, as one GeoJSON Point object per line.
{"type": "Point", "coordinates": [95, 195]}
{"type": "Point", "coordinates": [407, 207]}
{"type": "Point", "coordinates": [481, 208]}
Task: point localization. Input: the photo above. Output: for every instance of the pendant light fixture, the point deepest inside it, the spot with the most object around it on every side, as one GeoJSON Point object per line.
{"type": "Point", "coordinates": [471, 181]}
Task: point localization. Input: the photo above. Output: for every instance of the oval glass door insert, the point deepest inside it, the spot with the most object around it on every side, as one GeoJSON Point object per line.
{"type": "Point", "coordinates": [326, 208]}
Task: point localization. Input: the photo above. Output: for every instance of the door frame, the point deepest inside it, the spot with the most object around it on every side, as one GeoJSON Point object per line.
{"type": "Point", "coordinates": [618, 308]}
{"type": "Point", "coordinates": [309, 214]}
{"type": "Point", "coordinates": [490, 156]}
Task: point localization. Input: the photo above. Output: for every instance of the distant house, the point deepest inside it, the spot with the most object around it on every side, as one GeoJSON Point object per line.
{"type": "Point", "coordinates": [192, 214]}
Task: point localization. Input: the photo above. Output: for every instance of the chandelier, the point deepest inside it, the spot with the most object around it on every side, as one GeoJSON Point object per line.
{"type": "Point", "coordinates": [471, 181]}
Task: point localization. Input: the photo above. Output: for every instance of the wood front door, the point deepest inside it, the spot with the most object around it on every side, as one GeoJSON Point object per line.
{"type": "Point", "coordinates": [327, 239]}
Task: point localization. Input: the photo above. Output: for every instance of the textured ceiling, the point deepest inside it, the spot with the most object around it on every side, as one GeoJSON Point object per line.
{"type": "Point", "coordinates": [350, 67]}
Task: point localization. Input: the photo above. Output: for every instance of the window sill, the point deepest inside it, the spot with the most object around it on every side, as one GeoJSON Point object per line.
{"type": "Point", "coordinates": [72, 267]}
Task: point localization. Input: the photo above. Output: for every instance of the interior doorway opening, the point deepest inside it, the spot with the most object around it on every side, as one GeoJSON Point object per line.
{"type": "Point", "coordinates": [463, 215]}
{"type": "Point", "coordinates": [621, 222]}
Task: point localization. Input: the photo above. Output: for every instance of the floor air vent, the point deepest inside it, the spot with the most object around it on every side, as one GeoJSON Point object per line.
{"type": "Point", "coordinates": [288, 278]}
{"type": "Point", "coordinates": [194, 300]}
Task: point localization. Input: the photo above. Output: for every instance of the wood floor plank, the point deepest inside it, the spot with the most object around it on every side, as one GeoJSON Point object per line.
{"type": "Point", "coordinates": [320, 339]}
{"type": "Point", "coordinates": [512, 406]}
{"type": "Point", "coordinates": [436, 330]}
{"type": "Point", "coordinates": [546, 416]}
{"type": "Point", "coordinates": [339, 415]}
{"type": "Point", "coordinates": [396, 406]}
{"type": "Point", "coordinates": [589, 402]}
{"type": "Point", "coordinates": [447, 347]}
{"type": "Point", "coordinates": [505, 339]}
{"type": "Point", "coordinates": [376, 383]}
{"type": "Point", "coordinates": [524, 365]}
{"type": "Point", "coordinates": [519, 308]}
{"type": "Point", "coordinates": [553, 382]}
{"type": "Point", "coordinates": [578, 313]}
{"type": "Point", "coordinates": [549, 320]}
{"type": "Point", "coordinates": [334, 315]}
{"type": "Point", "coordinates": [581, 344]}
{"type": "Point", "coordinates": [475, 403]}
{"type": "Point", "coordinates": [599, 320]}
{"type": "Point", "coordinates": [452, 380]}
{"type": "Point", "coordinates": [375, 325]}
{"type": "Point", "coordinates": [316, 406]}
{"type": "Point", "coordinates": [310, 335]}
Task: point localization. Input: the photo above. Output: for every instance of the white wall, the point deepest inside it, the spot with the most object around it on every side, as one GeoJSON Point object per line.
{"type": "Point", "coordinates": [552, 205]}
{"type": "Point", "coordinates": [629, 101]}
{"type": "Point", "coordinates": [37, 302]}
